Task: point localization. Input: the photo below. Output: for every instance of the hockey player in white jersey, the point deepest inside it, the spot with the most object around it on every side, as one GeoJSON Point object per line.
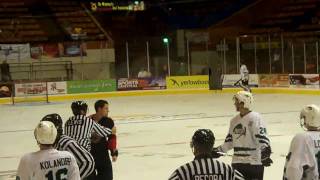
{"type": "Point", "coordinates": [247, 136]}
{"type": "Point", "coordinates": [48, 163]}
{"type": "Point", "coordinates": [243, 82]}
{"type": "Point", "coordinates": [304, 153]}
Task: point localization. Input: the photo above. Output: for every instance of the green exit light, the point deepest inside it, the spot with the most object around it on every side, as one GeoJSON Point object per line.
{"type": "Point", "coordinates": [165, 40]}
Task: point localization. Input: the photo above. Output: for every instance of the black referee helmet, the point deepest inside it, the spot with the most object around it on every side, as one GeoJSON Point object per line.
{"type": "Point", "coordinates": [78, 106]}
{"type": "Point", "coordinates": [56, 120]}
{"type": "Point", "coordinates": [203, 139]}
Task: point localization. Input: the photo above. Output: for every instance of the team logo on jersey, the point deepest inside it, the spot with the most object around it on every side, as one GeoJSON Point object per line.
{"type": "Point", "coordinates": [239, 130]}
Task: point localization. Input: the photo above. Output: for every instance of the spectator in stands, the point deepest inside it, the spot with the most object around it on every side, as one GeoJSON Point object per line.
{"type": "Point", "coordinates": [143, 73]}
{"type": "Point", "coordinates": [164, 71]}
{"type": "Point", "coordinates": [182, 71]}
{"type": "Point", "coordinates": [205, 69]}
{"type": "Point", "coordinates": [5, 72]}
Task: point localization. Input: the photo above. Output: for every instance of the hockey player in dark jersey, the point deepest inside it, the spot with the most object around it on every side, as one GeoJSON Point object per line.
{"type": "Point", "coordinates": [101, 146]}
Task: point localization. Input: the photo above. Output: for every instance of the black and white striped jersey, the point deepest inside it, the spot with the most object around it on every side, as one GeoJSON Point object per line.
{"type": "Point", "coordinates": [84, 159]}
{"type": "Point", "coordinates": [247, 136]}
{"type": "Point", "coordinates": [80, 128]}
{"type": "Point", "coordinates": [205, 168]}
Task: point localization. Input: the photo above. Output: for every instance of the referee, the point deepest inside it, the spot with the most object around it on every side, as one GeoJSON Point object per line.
{"type": "Point", "coordinates": [64, 143]}
{"type": "Point", "coordinates": [80, 127]}
{"type": "Point", "coordinates": [204, 166]}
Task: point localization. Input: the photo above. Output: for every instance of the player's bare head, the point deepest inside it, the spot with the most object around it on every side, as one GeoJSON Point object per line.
{"type": "Point", "coordinates": [56, 120]}
{"type": "Point", "coordinates": [202, 141]}
{"type": "Point", "coordinates": [310, 117]}
{"type": "Point", "coordinates": [79, 108]}
{"type": "Point", "coordinates": [243, 100]}
{"type": "Point", "coordinates": [45, 133]}
{"type": "Point", "coordinates": [102, 106]}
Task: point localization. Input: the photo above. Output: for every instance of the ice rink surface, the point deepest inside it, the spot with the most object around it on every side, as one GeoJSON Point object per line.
{"type": "Point", "coordinates": [154, 131]}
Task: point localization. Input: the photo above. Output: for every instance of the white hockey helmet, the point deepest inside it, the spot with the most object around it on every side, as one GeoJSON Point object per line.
{"type": "Point", "coordinates": [310, 116]}
{"type": "Point", "coordinates": [45, 133]}
{"type": "Point", "coordinates": [245, 97]}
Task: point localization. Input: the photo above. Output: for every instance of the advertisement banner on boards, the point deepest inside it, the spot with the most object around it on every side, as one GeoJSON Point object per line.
{"type": "Point", "coordinates": [187, 82]}
{"type": "Point", "coordinates": [151, 83]}
{"type": "Point", "coordinates": [310, 81]}
{"type": "Point", "coordinates": [230, 79]}
{"type": "Point", "coordinates": [273, 80]}
{"type": "Point", "coordinates": [128, 84]}
{"type": "Point", "coordinates": [90, 86]}
{"type": "Point", "coordinates": [57, 87]}
{"type": "Point", "coordinates": [125, 84]}
{"type": "Point", "coordinates": [25, 89]}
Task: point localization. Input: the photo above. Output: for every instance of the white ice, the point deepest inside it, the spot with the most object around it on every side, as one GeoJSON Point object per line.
{"type": "Point", "coordinates": [154, 131]}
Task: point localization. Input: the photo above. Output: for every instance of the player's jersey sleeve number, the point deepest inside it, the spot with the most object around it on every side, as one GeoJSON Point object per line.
{"type": "Point", "coordinates": [61, 174]}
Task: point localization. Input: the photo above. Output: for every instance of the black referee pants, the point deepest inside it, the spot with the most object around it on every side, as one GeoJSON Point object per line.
{"type": "Point", "coordinates": [250, 172]}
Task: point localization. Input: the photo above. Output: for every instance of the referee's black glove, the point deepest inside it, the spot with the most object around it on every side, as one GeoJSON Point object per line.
{"type": "Point", "coordinates": [265, 156]}
{"type": "Point", "coordinates": [216, 153]}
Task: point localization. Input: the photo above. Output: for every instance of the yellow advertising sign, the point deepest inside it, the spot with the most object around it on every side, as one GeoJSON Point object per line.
{"type": "Point", "coordinates": [187, 82]}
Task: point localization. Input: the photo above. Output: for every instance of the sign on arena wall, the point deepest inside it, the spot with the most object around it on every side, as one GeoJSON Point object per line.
{"type": "Point", "coordinates": [230, 79]}
{"type": "Point", "coordinates": [57, 88]}
{"type": "Point", "coordinates": [273, 80]}
{"type": "Point", "coordinates": [310, 81]}
{"type": "Point", "coordinates": [187, 82]}
{"type": "Point", "coordinates": [37, 88]}
{"type": "Point", "coordinates": [128, 84]}
{"type": "Point", "coordinates": [90, 86]}
{"type": "Point", "coordinates": [45, 51]}
{"type": "Point", "coordinates": [71, 49]}
{"type": "Point", "coordinates": [141, 84]}
{"type": "Point", "coordinates": [14, 51]}
{"type": "Point", "coordinates": [152, 83]}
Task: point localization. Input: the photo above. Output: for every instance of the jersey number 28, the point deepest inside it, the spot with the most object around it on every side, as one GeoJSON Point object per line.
{"type": "Point", "coordinates": [61, 174]}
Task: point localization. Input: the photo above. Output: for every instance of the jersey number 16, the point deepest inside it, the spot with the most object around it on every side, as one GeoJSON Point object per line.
{"type": "Point", "coordinates": [61, 174]}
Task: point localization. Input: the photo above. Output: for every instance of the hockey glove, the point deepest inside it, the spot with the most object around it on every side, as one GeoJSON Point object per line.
{"type": "Point", "coordinates": [114, 155]}
{"type": "Point", "coordinates": [265, 156]}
